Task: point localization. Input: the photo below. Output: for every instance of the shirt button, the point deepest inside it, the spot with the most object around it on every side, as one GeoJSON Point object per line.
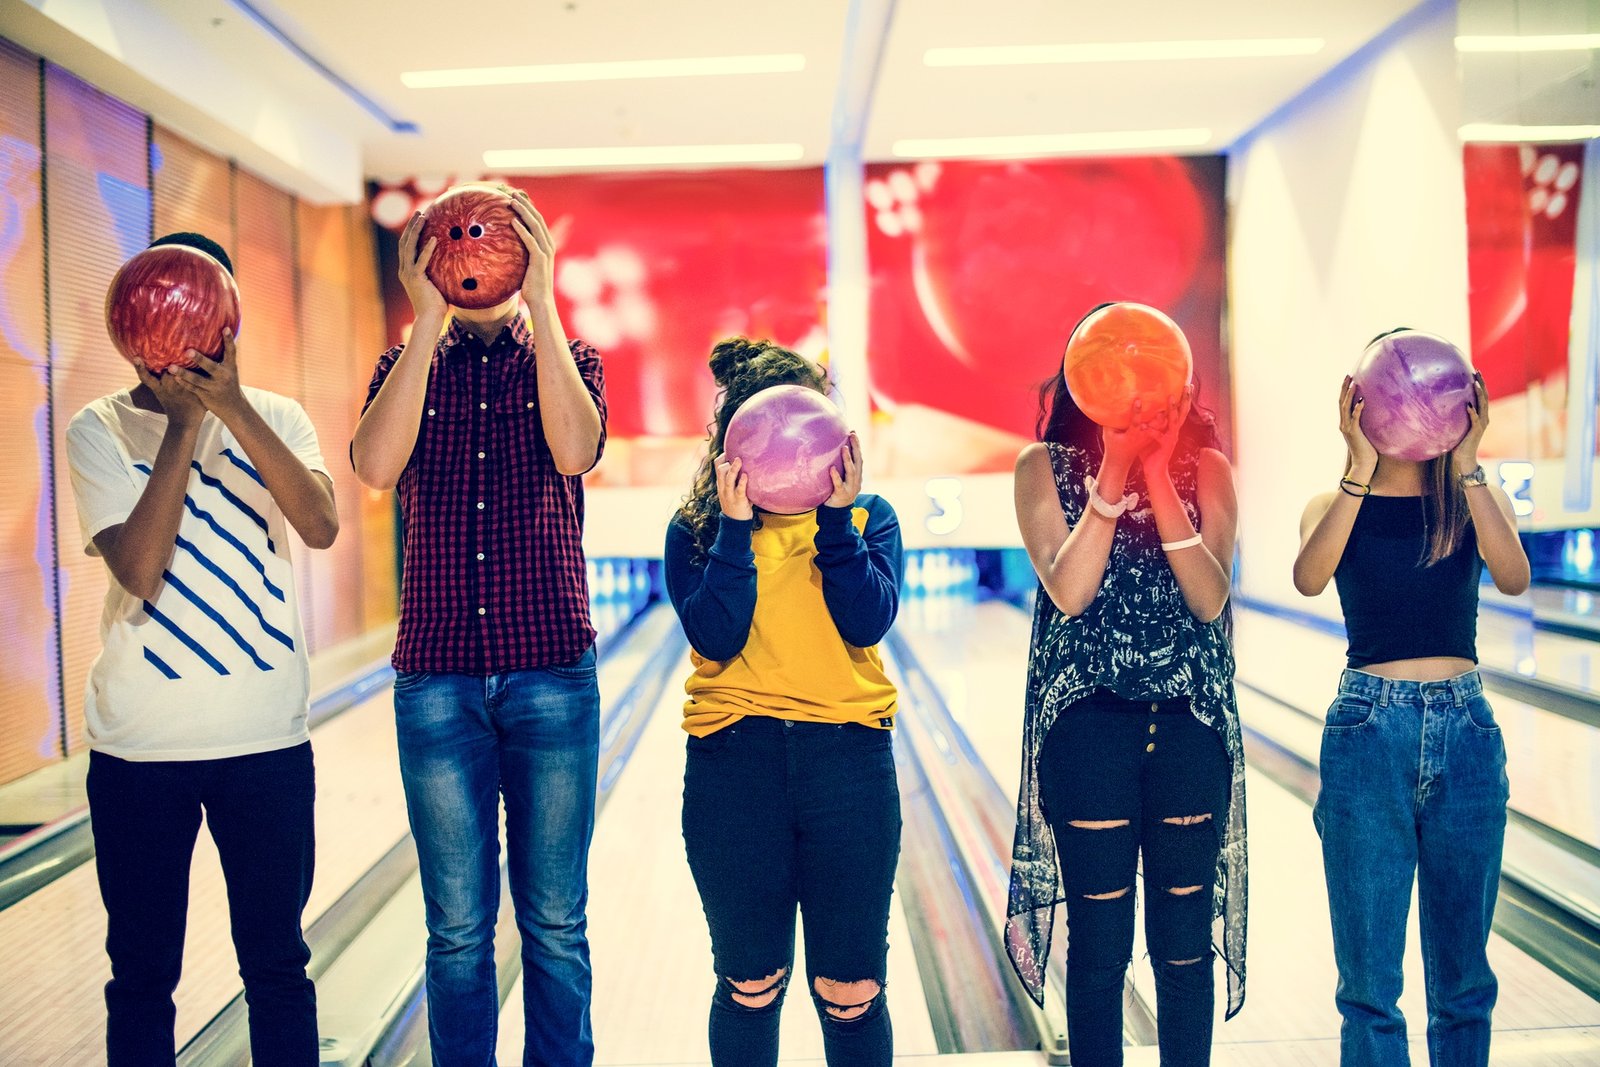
{"type": "Point", "coordinates": [485, 611]}
{"type": "Point", "coordinates": [1151, 747]}
{"type": "Point", "coordinates": [486, 359]}
{"type": "Point", "coordinates": [788, 724]}
{"type": "Point", "coordinates": [480, 455]}
{"type": "Point", "coordinates": [480, 556]}
{"type": "Point", "coordinates": [483, 405]}
{"type": "Point", "coordinates": [530, 403]}
{"type": "Point", "coordinates": [1152, 725]}
{"type": "Point", "coordinates": [480, 505]}
{"type": "Point", "coordinates": [1154, 706]}
{"type": "Point", "coordinates": [432, 412]}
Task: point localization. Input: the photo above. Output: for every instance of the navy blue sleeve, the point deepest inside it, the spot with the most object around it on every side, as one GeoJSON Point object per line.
{"type": "Point", "coordinates": [716, 598]}
{"type": "Point", "coordinates": [860, 571]}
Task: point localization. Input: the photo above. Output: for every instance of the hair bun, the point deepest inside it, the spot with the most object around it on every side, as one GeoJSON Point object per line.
{"type": "Point", "coordinates": [730, 356]}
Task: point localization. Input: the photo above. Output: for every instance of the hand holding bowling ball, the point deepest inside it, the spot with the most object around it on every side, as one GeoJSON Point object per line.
{"type": "Point", "coordinates": [478, 259]}
{"type": "Point", "coordinates": [1362, 456]}
{"type": "Point", "coordinates": [426, 300]}
{"type": "Point", "coordinates": [1165, 425]}
{"type": "Point", "coordinates": [178, 403]}
{"type": "Point", "coordinates": [1465, 455]}
{"type": "Point", "coordinates": [1124, 358]}
{"type": "Point", "coordinates": [789, 442]}
{"type": "Point", "coordinates": [846, 484]}
{"type": "Point", "coordinates": [1416, 387]}
{"type": "Point", "coordinates": [166, 303]}
{"type": "Point", "coordinates": [732, 483]}
{"type": "Point", "coordinates": [538, 284]}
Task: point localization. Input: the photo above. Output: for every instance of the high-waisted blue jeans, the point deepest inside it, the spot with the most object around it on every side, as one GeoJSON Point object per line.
{"type": "Point", "coordinates": [1413, 786]}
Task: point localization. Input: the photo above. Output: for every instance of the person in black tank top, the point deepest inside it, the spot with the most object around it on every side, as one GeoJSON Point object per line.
{"type": "Point", "coordinates": [1413, 765]}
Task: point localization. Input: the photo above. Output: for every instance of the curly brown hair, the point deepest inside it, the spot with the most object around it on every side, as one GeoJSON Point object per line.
{"type": "Point", "coordinates": [741, 368]}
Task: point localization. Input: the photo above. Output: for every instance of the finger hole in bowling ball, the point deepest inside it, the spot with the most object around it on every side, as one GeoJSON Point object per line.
{"type": "Point", "coordinates": [475, 230]}
{"type": "Point", "coordinates": [455, 233]}
{"type": "Point", "coordinates": [469, 284]}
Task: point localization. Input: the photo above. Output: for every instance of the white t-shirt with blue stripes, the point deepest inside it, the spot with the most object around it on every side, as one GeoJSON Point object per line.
{"type": "Point", "coordinates": [215, 665]}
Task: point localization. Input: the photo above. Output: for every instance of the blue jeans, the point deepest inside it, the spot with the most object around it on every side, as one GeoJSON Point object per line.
{"type": "Point", "coordinates": [1413, 785]}
{"type": "Point", "coordinates": [465, 740]}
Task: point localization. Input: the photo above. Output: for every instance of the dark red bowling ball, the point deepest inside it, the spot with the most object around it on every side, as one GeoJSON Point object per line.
{"type": "Point", "coordinates": [479, 261]}
{"type": "Point", "coordinates": [168, 300]}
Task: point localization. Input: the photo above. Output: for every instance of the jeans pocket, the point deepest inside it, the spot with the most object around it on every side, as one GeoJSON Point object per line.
{"type": "Point", "coordinates": [579, 670]}
{"type": "Point", "coordinates": [712, 743]}
{"type": "Point", "coordinates": [1349, 713]}
{"type": "Point", "coordinates": [1481, 715]}
{"type": "Point", "coordinates": [408, 679]}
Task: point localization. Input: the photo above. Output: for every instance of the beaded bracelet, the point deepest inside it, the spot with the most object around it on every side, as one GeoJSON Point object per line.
{"type": "Point", "coordinates": [1109, 510]}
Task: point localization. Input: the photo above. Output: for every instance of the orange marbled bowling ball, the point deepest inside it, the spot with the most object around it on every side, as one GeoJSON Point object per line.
{"type": "Point", "coordinates": [1124, 353]}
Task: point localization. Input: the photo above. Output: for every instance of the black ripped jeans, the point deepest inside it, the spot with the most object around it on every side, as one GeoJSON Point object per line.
{"type": "Point", "coordinates": [1118, 778]}
{"type": "Point", "coordinates": [779, 815]}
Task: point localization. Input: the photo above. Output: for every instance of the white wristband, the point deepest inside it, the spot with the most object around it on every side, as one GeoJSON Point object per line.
{"type": "Point", "coordinates": [1110, 511]}
{"type": "Point", "coordinates": [1187, 542]}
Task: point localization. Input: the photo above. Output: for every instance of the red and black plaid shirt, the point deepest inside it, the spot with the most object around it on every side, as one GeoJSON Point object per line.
{"type": "Point", "coordinates": [494, 577]}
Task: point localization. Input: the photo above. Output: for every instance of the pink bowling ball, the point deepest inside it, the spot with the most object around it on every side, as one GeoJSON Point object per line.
{"type": "Point", "coordinates": [790, 437]}
{"type": "Point", "coordinates": [1417, 387]}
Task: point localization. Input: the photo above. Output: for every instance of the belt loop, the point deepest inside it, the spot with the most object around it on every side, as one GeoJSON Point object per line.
{"type": "Point", "coordinates": [1383, 694]}
{"type": "Point", "coordinates": [1458, 689]}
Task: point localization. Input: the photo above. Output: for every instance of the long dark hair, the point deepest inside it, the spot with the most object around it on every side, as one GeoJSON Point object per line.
{"type": "Point", "coordinates": [1444, 503]}
{"type": "Point", "coordinates": [1061, 420]}
{"type": "Point", "coordinates": [741, 368]}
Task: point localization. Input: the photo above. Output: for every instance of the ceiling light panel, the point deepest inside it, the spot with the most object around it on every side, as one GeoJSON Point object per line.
{"type": "Point", "coordinates": [515, 159]}
{"type": "Point", "coordinates": [1498, 132]}
{"type": "Point", "coordinates": [785, 63]}
{"type": "Point", "coordinates": [1120, 52]}
{"type": "Point", "coordinates": [1555, 42]}
{"type": "Point", "coordinates": [1050, 144]}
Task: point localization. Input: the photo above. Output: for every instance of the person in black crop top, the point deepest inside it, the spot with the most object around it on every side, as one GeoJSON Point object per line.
{"type": "Point", "coordinates": [1413, 765]}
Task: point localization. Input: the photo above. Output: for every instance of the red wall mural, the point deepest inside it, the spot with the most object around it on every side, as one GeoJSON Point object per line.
{"type": "Point", "coordinates": [1522, 212]}
{"type": "Point", "coordinates": [980, 270]}
{"type": "Point", "coordinates": [652, 270]}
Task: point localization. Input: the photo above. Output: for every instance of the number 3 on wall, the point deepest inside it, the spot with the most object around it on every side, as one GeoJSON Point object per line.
{"type": "Point", "coordinates": [1516, 478]}
{"type": "Point", "coordinates": [945, 494]}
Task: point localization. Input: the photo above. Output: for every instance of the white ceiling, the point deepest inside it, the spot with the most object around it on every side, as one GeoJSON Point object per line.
{"type": "Point", "coordinates": [368, 43]}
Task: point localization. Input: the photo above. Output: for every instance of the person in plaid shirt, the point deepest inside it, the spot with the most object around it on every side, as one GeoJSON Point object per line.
{"type": "Point", "coordinates": [485, 421]}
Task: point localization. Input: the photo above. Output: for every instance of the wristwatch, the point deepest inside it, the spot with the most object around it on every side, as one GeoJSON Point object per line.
{"type": "Point", "coordinates": [1477, 477]}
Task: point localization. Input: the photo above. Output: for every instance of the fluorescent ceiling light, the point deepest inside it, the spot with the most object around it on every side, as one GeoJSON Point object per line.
{"type": "Point", "coordinates": [1550, 42]}
{"type": "Point", "coordinates": [640, 155]}
{"type": "Point", "coordinates": [1491, 131]}
{"type": "Point", "coordinates": [591, 72]}
{"type": "Point", "coordinates": [1047, 144]}
{"type": "Point", "coordinates": [1021, 54]}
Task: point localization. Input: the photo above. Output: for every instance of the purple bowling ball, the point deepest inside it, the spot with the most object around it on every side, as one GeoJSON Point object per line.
{"type": "Point", "coordinates": [789, 438]}
{"type": "Point", "coordinates": [1417, 387]}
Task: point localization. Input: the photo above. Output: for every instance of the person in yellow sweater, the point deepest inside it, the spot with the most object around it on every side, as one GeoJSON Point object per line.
{"type": "Point", "coordinates": [789, 796]}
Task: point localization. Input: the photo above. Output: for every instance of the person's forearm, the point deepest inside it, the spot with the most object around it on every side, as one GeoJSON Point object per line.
{"type": "Point", "coordinates": [303, 496]}
{"type": "Point", "coordinates": [143, 546]}
{"type": "Point", "coordinates": [1202, 579]}
{"type": "Point", "coordinates": [388, 430]}
{"type": "Point", "coordinates": [567, 412]}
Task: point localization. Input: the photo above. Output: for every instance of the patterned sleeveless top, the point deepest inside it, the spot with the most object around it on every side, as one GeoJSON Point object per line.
{"type": "Point", "coordinates": [1139, 639]}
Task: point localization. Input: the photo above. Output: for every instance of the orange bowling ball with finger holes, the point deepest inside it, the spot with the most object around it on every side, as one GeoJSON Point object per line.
{"type": "Point", "coordinates": [1124, 353]}
{"type": "Point", "coordinates": [479, 260]}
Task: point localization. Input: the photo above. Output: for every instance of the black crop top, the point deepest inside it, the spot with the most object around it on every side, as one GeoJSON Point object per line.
{"type": "Point", "coordinates": [1394, 607]}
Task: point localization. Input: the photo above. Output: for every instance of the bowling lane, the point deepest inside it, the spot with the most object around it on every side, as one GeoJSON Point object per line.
{"type": "Point", "coordinates": [1553, 759]}
{"type": "Point", "coordinates": [52, 1009]}
{"type": "Point", "coordinates": [978, 654]}
{"type": "Point", "coordinates": [653, 975]}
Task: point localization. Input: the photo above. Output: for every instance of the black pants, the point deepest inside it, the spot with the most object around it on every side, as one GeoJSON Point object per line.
{"type": "Point", "coordinates": [146, 817]}
{"type": "Point", "coordinates": [1117, 778]}
{"type": "Point", "coordinates": [780, 814]}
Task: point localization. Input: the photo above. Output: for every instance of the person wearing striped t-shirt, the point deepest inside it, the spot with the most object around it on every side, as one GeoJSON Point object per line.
{"type": "Point", "coordinates": [186, 487]}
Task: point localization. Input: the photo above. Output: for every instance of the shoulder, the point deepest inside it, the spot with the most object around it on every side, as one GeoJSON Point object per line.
{"type": "Point", "coordinates": [1212, 469]}
{"type": "Point", "coordinates": [583, 351]}
{"type": "Point", "coordinates": [277, 409]}
{"type": "Point", "coordinates": [679, 533]}
{"type": "Point", "coordinates": [94, 421]}
{"type": "Point", "coordinates": [880, 513]}
{"type": "Point", "coordinates": [1318, 506]}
